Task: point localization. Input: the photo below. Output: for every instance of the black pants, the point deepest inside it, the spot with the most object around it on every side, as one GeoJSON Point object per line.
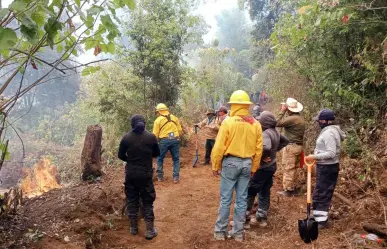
{"type": "Point", "coordinates": [261, 184]}
{"type": "Point", "coordinates": [326, 180]}
{"type": "Point", "coordinates": [136, 189]}
{"type": "Point", "coordinates": [209, 145]}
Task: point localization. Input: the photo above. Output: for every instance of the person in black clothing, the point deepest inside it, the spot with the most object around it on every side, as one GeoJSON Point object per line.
{"type": "Point", "coordinates": [137, 149]}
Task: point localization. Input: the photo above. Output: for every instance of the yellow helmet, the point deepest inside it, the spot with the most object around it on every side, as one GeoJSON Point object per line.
{"type": "Point", "coordinates": [161, 107]}
{"type": "Point", "coordinates": [240, 97]}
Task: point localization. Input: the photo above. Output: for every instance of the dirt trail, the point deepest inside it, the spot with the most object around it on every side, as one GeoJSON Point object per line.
{"type": "Point", "coordinates": [89, 216]}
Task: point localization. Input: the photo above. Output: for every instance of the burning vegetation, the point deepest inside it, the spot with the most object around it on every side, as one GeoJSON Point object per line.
{"type": "Point", "coordinates": [39, 179]}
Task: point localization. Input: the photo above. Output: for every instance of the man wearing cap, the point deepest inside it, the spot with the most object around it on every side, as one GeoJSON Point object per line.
{"type": "Point", "coordinates": [236, 156]}
{"type": "Point", "coordinates": [294, 125]}
{"type": "Point", "coordinates": [222, 114]}
{"type": "Point", "coordinates": [167, 129]}
{"type": "Point", "coordinates": [211, 128]}
{"type": "Point", "coordinates": [327, 156]}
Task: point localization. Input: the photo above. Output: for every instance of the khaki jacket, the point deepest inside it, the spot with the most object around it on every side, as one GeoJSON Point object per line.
{"type": "Point", "coordinates": [210, 127]}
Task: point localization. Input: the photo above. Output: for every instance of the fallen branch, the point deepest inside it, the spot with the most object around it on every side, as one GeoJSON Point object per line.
{"type": "Point", "coordinates": [376, 229]}
{"type": "Point", "coordinates": [344, 199]}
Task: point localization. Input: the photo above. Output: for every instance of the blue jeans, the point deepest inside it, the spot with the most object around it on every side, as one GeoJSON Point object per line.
{"type": "Point", "coordinates": [235, 175]}
{"type": "Point", "coordinates": [172, 145]}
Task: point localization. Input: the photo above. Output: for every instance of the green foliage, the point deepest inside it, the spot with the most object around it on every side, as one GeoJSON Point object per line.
{"type": "Point", "coordinates": [159, 30]}
{"type": "Point", "coordinates": [339, 49]}
{"type": "Point", "coordinates": [212, 83]}
{"type": "Point", "coordinates": [353, 146]}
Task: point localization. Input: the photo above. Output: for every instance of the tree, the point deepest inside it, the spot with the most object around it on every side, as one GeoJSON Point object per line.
{"type": "Point", "coordinates": [340, 48]}
{"type": "Point", "coordinates": [29, 28]}
{"type": "Point", "coordinates": [233, 30]}
{"type": "Point", "coordinates": [159, 30]}
{"type": "Point", "coordinates": [265, 15]}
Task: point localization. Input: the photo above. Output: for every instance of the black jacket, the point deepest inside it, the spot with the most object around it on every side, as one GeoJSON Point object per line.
{"type": "Point", "coordinates": [137, 151]}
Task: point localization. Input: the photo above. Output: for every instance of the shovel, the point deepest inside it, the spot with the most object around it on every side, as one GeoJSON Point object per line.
{"type": "Point", "coordinates": [197, 152]}
{"type": "Point", "coordinates": [308, 228]}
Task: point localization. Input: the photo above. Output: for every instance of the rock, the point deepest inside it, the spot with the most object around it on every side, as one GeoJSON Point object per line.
{"type": "Point", "coordinates": [77, 220]}
{"type": "Point", "coordinates": [66, 239]}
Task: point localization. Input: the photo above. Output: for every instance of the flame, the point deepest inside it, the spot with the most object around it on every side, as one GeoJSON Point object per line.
{"type": "Point", "coordinates": [39, 179]}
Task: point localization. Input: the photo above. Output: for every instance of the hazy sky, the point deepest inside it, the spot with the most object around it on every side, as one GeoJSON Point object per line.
{"type": "Point", "coordinates": [209, 9]}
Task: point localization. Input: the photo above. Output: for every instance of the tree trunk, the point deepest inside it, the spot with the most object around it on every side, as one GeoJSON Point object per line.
{"type": "Point", "coordinates": [91, 153]}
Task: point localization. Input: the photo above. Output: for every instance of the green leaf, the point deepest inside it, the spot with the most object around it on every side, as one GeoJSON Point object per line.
{"type": "Point", "coordinates": [22, 69]}
{"type": "Point", "coordinates": [8, 38]}
{"type": "Point", "coordinates": [78, 3]}
{"type": "Point", "coordinates": [90, 70]}
{"type": "Point", "coordinates": [59, 47]}
{"type": "Point", "coordinates": [94, 10]}
{"type": "Point", "coordinates": [130, 3]}
{"type": "Point", "coordinates": [17, 6]}
{"type": "Point", "coordinates": [107, 22]}
{"type": "Point", "coordinates": [111, 48]}
{"type": "Point", "coordinates": [31, 34]}
{"type": "Point", "coordinates": [89, 21]}
{"type": "Point", "coordinates": [39, 17]}
{"type": "Point", "coordinates": [52, 27]}
{"type": "Point", "coordinates": [3, 13]}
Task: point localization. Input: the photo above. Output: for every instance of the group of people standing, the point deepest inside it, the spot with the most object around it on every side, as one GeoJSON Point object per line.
{"type": "Point", "coordinates": [241, 146]}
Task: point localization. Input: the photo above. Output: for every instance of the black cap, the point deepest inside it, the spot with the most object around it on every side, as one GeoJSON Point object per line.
{"type": "Point", "coordinates": [325, 114]}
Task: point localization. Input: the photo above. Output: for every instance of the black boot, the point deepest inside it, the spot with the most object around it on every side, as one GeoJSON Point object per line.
{"type": "Point", "coordinates": [151, 231]}
{"type": "Point", "coordinates": [133, 226]}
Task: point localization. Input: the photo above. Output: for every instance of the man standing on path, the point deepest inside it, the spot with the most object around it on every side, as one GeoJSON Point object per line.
{"type": "Point", "coordinates": [167, 129]}
{"type": "Point", "coordinates": [211, 128]}
{"type": "Point", "coordinates": [327, 155]}
{"type": "Point", "coordinates": [236, 156]}
{"type": "Point", "coordinates": [262, 181]}
{"type": "Point", "coordinates": [294, 125]}
{"type": "Point", "coordinates": [137, 149]}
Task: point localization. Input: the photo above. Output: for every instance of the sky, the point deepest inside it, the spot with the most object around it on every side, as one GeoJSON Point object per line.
{"type": "Point", "coordinates": [209, 9]}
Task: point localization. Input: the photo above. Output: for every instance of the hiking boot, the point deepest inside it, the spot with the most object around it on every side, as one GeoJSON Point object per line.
{"type": "Point", "coordinates": [160, 178]}
{"type": "Point", "coordinates": [246, 226]}
{"type": "Point", "coordinates": [323, 225]}
{"type": "Point", "coordinates": [151, 231]}
{"type": "Point", "coordinates": [176, 180]}
{"type": "Point", "coordinates": [288, 193]}
{"type": "Point", "coordinates": [261, 221]}
{"type": "Point", "coordinates": [133, 226]}
{"type": "Point", "coordinates": [219, 236]}
{"type": "Point", "coordinates": [205, 163]}
{"type": "Point", "coordinates": [236, 237]}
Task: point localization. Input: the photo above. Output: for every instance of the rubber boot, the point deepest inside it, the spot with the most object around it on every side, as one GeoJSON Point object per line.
{"type": "Point", "coordinates": [133, 226]}
{"type": "Point", "coordinates": [151, 231]}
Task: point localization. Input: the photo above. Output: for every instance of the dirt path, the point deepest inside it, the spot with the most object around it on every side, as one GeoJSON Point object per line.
{"type": "Point", "coordinates": [88, 216]}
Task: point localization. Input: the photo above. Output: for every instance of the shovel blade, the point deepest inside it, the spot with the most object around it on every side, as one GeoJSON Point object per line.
{"type": "Point", "coordinates": [308, 230]}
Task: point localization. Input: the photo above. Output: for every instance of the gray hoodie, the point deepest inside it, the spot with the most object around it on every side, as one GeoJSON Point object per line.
{"type": "Point", "coordinates": [273, 141]}
{"type": "Point", "coordinates": [328, 145]}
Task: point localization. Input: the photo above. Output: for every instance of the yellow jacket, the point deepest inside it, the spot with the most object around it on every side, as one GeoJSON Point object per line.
{"type": "Point", "coordinates": [238, 138]}
{"type": "Point", "coordinates": [162, 127]}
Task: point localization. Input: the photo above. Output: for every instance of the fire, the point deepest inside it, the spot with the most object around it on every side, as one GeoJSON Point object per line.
{"type": "Point", "coordinates": [39, 179]}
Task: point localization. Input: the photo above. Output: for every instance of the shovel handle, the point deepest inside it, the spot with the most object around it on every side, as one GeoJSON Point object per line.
{"type": "Point", "coordinates": [309, 165]}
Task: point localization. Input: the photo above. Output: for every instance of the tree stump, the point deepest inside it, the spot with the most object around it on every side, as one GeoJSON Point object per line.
{"type": "Point", "coordinates": [91, 153]}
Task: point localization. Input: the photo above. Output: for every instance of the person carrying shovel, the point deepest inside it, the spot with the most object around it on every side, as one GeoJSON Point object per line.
{"type": "Point", "coordinates": [327, 156]}
{"type": "Point", "coordinates": [211, 127]}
